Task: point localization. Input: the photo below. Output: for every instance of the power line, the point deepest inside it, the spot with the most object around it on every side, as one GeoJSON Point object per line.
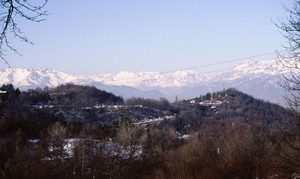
{"type": "Point", "coordinates": [212, 64]}
{"type": "Point", "coordinates": [217, 71]}
{"type": "Point", "coordinates": [222, 62]}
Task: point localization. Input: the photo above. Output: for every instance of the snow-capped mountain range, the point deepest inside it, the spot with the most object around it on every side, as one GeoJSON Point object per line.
{"type": "Point", "coordinates": [257, 78]}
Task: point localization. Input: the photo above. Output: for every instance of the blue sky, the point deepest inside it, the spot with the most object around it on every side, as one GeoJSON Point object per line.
{"type": "Point", "coordinates": [107, 36]}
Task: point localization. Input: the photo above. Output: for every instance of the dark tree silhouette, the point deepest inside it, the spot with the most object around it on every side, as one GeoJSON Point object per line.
{"type": "Point", "coordinates": [290, 59]}
{"type": "Point", "coordinates": [10, 12]}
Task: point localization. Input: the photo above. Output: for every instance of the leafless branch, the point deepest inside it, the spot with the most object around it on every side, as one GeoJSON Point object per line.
{"type": "Point", "coordinates": [11, 10]}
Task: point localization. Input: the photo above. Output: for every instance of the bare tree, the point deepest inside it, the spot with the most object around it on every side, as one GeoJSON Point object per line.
{"type": "Point", "coordinates": [10, 12]}
{"type": "Point", "coordinates": [54, 150]}
{"type": "Point", "coordinates": [290, 59]}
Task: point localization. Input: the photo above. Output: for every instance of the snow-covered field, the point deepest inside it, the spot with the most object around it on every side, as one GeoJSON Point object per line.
{"type": "Point", "coordinates": [68, 146]}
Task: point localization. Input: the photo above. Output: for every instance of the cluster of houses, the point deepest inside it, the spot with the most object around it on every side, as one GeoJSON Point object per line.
{"type": "Point", "coordinates": [102, 106]}
{"type": "Point", "coordinates": [213, 103]}
{"type": "Point", "coordinates": [155, 120]}
{"type": "Point", "coordinates": [106, 114]}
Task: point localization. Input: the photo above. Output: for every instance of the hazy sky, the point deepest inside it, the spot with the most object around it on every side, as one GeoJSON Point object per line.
{"type": "Point", "coordinates": [107, 36]}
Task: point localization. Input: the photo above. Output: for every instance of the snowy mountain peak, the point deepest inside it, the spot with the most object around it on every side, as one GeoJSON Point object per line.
{"type": "Point", "coordinates": [255, 67]}
{"type": "Point", "coordinates": [252, 69]}
{"type": "Point", "coordinates": [25, 78]}
{"type": "Point", "coordinates": [253, 77]}
{"type": "Point", "coordinates": [30, 78]}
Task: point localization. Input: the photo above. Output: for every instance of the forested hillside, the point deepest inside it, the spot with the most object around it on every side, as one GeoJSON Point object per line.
{"type": "Point", "coordinates": [231, 106]}
{"type": "Point", "coordinates": [25, 110]}
{"type": "Point", "coordinates": [80, 131]}
{"type": "Point", "coordinates": [69, 94]}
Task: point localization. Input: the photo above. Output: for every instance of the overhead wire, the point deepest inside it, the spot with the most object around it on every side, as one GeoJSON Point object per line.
{"type": "Point", "coordinates": [223, 62]}
{"type": "Point", "coordinates": [213, 64]}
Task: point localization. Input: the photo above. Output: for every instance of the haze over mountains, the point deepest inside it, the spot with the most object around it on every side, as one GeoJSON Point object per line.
{"type": "Point", "coordinates": [257, 78]}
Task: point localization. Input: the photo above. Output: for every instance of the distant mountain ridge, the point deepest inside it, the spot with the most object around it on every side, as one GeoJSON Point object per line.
{"type": "Point", "coordinates": [257, 78]}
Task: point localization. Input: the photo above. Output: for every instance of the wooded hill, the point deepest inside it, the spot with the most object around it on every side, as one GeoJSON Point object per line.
{"type": "Point", "coordinates": [230, 135]}
{"type": "Point", "coordinates": [229, 105]}
{"type": "Point", "coordinates": [70, 94]}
